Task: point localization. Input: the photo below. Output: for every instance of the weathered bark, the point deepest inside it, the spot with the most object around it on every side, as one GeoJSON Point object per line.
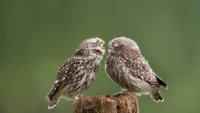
{"type": "Point", "coordinates": [123, 103]}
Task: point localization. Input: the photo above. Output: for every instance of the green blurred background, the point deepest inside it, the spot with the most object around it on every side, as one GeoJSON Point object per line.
{"type": "Point", "coordinates": [37, 36]}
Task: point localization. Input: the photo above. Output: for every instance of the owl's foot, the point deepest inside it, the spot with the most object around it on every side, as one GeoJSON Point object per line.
{"type": "Point", "coordinates": [119, 93]}
{"type": "Point", "coordinates": [75, 99]}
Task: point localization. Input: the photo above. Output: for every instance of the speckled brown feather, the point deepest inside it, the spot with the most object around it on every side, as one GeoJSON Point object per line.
{"type": "Point", "coordinates": [66, 72]}
{"type": "Point", "coordinates": [140, 67]}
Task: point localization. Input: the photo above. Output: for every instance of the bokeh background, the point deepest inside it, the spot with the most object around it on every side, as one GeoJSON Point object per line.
{"type": "Point", "coordinates": [37, 36]}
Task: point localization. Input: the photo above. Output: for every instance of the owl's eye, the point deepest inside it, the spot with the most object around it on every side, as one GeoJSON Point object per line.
{"type": "Point", "coordinates": [97, 51]}
{"type": "Point", "coordinates": [116, 45]}
{"type": "Point", "coordinates": [93, 42]}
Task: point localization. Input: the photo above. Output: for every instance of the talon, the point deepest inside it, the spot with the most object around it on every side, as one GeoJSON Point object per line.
{"type": "Point", "coordinates": [74, 102]}
{"type": "Point", "coordinates": [117, 94]}
{"type": "Point", "coordinates": [76, 98]}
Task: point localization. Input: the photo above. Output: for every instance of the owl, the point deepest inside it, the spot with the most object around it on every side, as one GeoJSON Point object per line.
{"type": "Point", "coordinates": [78, 72]}
{"type": "Point", "coordinates": [126, 66]}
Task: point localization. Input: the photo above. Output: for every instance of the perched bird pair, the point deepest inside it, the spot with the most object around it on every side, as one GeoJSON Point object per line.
{"type": "Point", "coordinates": [125, 65]}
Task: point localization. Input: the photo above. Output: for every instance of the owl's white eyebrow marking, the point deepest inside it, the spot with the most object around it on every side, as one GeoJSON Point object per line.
{"type": "Point", "coordinates": [94, 41]}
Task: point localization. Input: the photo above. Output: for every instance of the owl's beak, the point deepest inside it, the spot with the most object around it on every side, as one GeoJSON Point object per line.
{"type": "Point", "coordinates": [99, 49]}
{"type": "Point", "coordinates": [101, 43]}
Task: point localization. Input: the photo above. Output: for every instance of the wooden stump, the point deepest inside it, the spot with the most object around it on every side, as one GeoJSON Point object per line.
{"type": "Point", "coordinates": [125, 102]}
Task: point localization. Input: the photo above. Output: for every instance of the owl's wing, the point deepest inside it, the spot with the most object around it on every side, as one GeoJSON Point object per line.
{"type": "Point", "coordinates": [67, 70]}
{"type": "Point", "coordinates": [140, 68]}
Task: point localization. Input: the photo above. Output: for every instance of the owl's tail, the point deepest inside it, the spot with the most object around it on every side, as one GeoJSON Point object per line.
{"type": "Point", "coordinates": [161, 82]}
{"type": "Point", "coordinates": [52, 103]}
{"type": "Point", "coordinates": [156, 96]}
{"type": "Point", "coordinates": [53, 97]}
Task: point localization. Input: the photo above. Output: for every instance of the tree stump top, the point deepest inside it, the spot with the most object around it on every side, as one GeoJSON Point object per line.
{"type": "Point", "coordinates": [124, 102]}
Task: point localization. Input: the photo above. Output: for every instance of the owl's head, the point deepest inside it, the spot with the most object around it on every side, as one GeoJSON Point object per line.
{"type": "Point", "coordinates": [92, 47]}
{"type": "Point", "coordinates": [120, 44]}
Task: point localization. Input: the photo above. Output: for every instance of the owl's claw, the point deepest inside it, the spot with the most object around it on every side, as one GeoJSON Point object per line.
{"type": "Point", "coordinates": [75, 99]}
{"type": "Point", "coordinates": [74, 102]}
{"type": "Point", "coordinates": [117, 94]}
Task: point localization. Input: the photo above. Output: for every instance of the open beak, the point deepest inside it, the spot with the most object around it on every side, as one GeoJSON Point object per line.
{"type": "Point", "coordinates": [101, 44]}
{"type": "Point", "coordinates": [100, 50]}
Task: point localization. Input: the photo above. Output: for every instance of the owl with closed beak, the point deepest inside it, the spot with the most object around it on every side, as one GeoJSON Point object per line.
{"type": "Point", "coordinates": [126, 66]}
{"type": "Point", "coordinates": [78, 72]}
